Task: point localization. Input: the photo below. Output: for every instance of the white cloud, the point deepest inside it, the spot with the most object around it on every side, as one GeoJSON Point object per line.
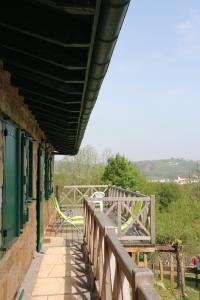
{"type": "Point", "coordinates": [184, 25]}
{"type": "Point", "coordinates": [188, 34]}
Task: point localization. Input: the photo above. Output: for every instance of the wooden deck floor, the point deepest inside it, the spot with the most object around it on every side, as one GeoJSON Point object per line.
{"type": "Point", "coordinates": [61, 272]}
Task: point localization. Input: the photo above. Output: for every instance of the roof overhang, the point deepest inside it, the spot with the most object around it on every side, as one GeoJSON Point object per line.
{"type": "Point", "coordinates": [58, 52]}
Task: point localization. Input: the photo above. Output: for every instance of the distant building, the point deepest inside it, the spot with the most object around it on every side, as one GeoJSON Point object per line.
{"type": "Point", "coordinates": [178, 180]}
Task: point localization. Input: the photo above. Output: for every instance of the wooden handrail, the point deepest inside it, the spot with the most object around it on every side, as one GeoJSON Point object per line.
{"type": "Point", "coordinates": [116, 276]}
{"type": "Point", "coordinates": [119, 191]}
{"type": "Point", "coordinates": [125, 199]}
{"type": "Point", "coordinates": [75, 193]}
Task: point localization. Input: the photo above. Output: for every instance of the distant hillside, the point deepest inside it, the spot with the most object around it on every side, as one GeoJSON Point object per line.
{"type": "Point", "coordinates": [168, 168]}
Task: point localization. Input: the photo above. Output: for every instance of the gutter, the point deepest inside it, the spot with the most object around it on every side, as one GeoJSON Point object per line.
{"type": "Point", "coordinates": [110, 22]}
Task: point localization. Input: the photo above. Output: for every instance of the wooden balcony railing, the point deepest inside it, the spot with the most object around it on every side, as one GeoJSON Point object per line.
{"type": "Point", "coordinates": [116, 276]}
{"type": "Point", "coordinates": [138, 214]}
{"type": "Point", "coordinates": [121, 206]}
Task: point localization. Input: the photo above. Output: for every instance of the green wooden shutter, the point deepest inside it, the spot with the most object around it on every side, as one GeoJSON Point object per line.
{"type": "Point", "coordinates": [30, 194]}
{"type": "Point", "coordinates": [46, 184]}
{"type": "Point", "coordinates": [40, 185]}
{"type": "Point", "coordinates": [24, 180]}
{"type": "Point", "coordinates": [51, 174]}
{"type": "Point", "coordinates": [27, 176]}
{"type": "Point", "coordinates": [48, 175]}
{"type": "Point", "coordinates": [11, 226]}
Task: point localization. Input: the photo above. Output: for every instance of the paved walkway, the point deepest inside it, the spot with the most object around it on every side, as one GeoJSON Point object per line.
{"type": "Point", "coordinates": [61, 272]}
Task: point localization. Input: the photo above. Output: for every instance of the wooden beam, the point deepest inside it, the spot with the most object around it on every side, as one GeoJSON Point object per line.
{"type": "Point", "coordinates": [171, 271]}
{"type": "Point", "coordinates": [43, 38]}
{"type": "Point", "coordinates": [11, 56]}
{"type": "Point", "coordinates": [127, 199]}
{"type": "Point", "coordinates": [44, 50]}
{"type": "Point", "coordinates": [67, 88]}
{"type": "Point", "coordinates": [152, 220]}
{"type": "Point", "coordinates": [38, 115]}
{"type": "Point", "coordinates": [68, 66]}
{"type": "Point", "coordinates": [50, 128]}
{"type": "Point", "coordinates": [60, 138]}
{"type": "Point", "coordinates": [62, 127]}
{"type": "Point", "coordinates": [49, 25]}
{"type": "Point", "coordinates": [135, 249]}
{"type": "Point", "coordinates": [165, 248]}
{"type": "Point", "coordinates": [36, 84]}
{"type": "Point", "coordinates": [76, 9]}
{"type": "Point", "coordinates": [62, 107]}
{"type": "Point", "coordinates": [87, 186]}
{"type": "Point", "coordinates": [148, 248]}
{"type": "Point", "coordinates": [54, 111]}
{"type": "Point", "coordinates": [26, 92]}
{"type": "Point", "coordinates": [51, 114]}
{"type": "Point", "coordinates": [53, 123]}
{"type": "Point", "coordinates": [50, 106]}
{"type": "Point", "coordinates": [20, 69]}
{"type": "Point", "coordinates": [135, 238]}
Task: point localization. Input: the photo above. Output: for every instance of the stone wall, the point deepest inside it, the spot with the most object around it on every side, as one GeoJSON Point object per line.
{"type": "Point", "coordinates": [13, 105]}
{"type": "Point", "coordinates": [49, 213]}
{"type": "Point", "coordinates": [16, 260]}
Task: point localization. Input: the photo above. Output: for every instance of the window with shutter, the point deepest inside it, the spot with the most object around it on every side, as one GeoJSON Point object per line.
{"type": "Point", "coordinates": [30, 186]}
{"type": "Point", "coordinates": [11, 221]}
{"type": "Point", "coordinates": [26, 175]}
{"type": "Point", "coordinates": [48, 175]}
{"type": "Point", "coordinates": [17, 182]}
{"type": "Point", "coordinates": [51, 174]}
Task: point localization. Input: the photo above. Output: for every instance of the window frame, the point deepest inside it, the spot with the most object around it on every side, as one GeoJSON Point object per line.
{"type": "Point", "coordinates": [22, 156]}
{"type": "Point", "coordinates": [8, 239]}
{"type": "Point", "coordinates": [48, 175]}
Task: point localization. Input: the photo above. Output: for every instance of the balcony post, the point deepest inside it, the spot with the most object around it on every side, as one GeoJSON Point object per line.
{"type": "Point", "coordinates": [152, 216]}
{"type": "Point", "coordinates": [119, 213]}
{"type": "Point", "coordinates": [56, 192]}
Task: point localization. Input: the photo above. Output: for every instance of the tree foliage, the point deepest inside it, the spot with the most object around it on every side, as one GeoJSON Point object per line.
{"type": "Point", "coordinates": [177, 207]}
{"type": "Point", "coordinates": [84, 168]}
{"type": "Point", "coordinates": [165, 192]}
{"type": "Point", "coordinates": [168, 193]}
{"type": "Point", "coordinates": [122, 172]}
{"type": "Point", "coordinates": [177, 214]}
{"type": "Point", "coordinates": [180, 221]}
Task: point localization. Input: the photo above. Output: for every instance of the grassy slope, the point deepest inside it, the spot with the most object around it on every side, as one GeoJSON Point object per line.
{"type": "Point", "coordinates": [192, 292]}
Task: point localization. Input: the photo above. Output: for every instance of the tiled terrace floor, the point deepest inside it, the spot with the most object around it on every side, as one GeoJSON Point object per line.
{"type": "Point", "coordinates": [61, 271]}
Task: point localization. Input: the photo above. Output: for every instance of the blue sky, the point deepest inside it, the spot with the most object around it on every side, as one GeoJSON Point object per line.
{"type": "Point", "coordinates": [149, 107]}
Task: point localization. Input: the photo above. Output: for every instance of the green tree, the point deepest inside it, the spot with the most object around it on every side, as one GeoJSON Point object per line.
{"type": "Point", "coordinates": [168, 192]}
{"type": "Point", "coordinates": [122, 172]}
{"type": "Point", "coordinates": [84, 168]}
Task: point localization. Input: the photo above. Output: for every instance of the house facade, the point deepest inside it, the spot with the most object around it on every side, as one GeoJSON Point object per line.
{"type": "Point", "coordinates": [54, 56]}
{"type": "Point", "coordinates": [26, 170]}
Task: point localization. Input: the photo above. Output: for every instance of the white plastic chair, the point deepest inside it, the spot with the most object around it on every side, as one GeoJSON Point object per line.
{"type": "Point", "coordinates": [100, 196]}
